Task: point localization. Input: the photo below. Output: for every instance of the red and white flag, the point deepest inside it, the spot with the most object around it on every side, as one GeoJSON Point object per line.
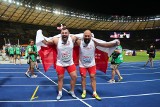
{"type": "Point", "coordinates": [48, 53]}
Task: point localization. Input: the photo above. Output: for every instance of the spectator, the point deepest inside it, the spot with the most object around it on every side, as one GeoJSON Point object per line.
{"type": "Point", "coordinates": [151, 51]}
{"type": "Point", "coordinates": [31, 54]}
{"type": "Point", "coordinates": [11, 53]}
{"type": "Point", "coordinates": [17, 54]}
{"type": "Point", "coordinates": [3, 55]}
{"type": "Point", "coordinates": [116, 60]}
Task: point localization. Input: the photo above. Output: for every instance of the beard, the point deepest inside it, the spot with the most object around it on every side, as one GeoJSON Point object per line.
{"type": "Point", "coordinates": [64, 39]}
{"type": "Point", "coordinates": [86, 41]}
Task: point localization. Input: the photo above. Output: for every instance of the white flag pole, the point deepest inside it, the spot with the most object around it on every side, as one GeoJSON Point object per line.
{"type": "Point", "coordinates": [5, 41]}
{"type": "Point", "coordinates": [18, 41]}
{"type": "Point", "coordinates": [8, 41]}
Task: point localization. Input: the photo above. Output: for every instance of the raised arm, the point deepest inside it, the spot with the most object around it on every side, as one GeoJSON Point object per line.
{"type": "Point", "coordinates": [75, 39]}
{"type": "Point", "coordinates": [106, 44]}
{"type": "Point", "coordinates": [49, 42]}
{"type": "Point", "coordinates": [45, 40]}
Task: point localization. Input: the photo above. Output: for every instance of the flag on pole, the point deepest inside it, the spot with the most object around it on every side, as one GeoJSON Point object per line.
{"type": "Point", "coordinates": [5, 41]}
{"type": "Point", "coordinates": [18, 42]}
{"type": "Point", "coordinates": [48, 53]}
{"type": "Point", "coordinates": [9, 41]}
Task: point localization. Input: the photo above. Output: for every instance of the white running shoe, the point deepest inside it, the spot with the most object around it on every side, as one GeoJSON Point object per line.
{"type": "Point", "coordinates": [72, 94]}
{"type": "Point", "coordinates": [33, 76]}
{"type": "Point", "coordinates": [59, 96]}
{"type": "Point", "coordinates": [27, 74]}
{"type": "Point", "coordinates": [111, 81]}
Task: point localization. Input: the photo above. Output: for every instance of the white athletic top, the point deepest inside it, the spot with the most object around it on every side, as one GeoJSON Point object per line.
{"type": "Point", "coordinates": [65, 52]}
{"type": "Point", "coordinates": [87, 54]}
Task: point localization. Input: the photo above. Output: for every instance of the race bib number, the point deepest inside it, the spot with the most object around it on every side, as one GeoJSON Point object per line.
{"type": "Point", "coordinates": [86, 59]}
{"type": "Point", "coordinates": [66, 56]}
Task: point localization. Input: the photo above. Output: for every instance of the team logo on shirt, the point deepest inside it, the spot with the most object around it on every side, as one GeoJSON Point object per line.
{"type": "Point", "coordinates": [66, 56]}
{"type": "Point", "coordinates": [87, 59]}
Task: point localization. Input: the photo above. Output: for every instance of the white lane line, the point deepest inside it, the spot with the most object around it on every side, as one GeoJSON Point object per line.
{"type": "Point", "coordinates": [24, 77]}
{"type": "Point", "coordinates": [26, 85]}
{"type": "Point", "coordinates": [86, 76]}
{"type": "Point", "coordinates": [124, 96]}
{"type": "Point", "coordinates": [135, 74]}
{"type": "Point", "coordinates": [14, 68]}
{"type": "Point", "coordinates": [137, 95]}
{"type": "Point", "coordinates": [65, 89]}
{"type": "Point", "coordinates": [10, 72]}
{"type": "Point", "coordinates": [25, 71]}
{"type": "Point", "coordinates": [137, 68]}
{"type": "Point", "coordinates": [132, 74]}
{"type": "Point", "coordinates": [127, 96]}
{"type": "Point", "coordinates": [142, 81]}
{"type": "Point", "coordinates": [121, 67]}
{"type": "Point", "coordinates": [142, 73]}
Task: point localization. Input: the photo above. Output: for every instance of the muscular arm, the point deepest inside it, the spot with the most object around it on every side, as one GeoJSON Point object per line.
{"type": "Point", "coordinates": [77, 43]}
{"type": "Point", "coordinates": [75, 40]}
{"type": "Point", "coordinates": [52, 41]}
{"type": "Point", "coordinates": [107, 44]}
{"type": "Point", "coordinates": [45, 40]}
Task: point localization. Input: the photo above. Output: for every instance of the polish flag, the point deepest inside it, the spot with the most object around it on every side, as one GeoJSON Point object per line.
{"type": "Point", "coordinates": [60, 27]}
{"type": "Point", "coordinates": [48, 53]}
{"type": "Point", "coordinates": [115, 35]}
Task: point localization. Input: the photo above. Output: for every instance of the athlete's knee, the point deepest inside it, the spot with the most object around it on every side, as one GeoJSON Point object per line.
{"type": "Point", "coordinates": [83, 78]}
{"type": "Point", "coordinates": [74, 76]}
{"type": "Point", "coordinates": [92, 76]}
{"type": "Point", "coordinates": [60, 77]}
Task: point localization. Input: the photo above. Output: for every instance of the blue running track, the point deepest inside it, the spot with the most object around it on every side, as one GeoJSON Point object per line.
{"type": "Point", "coordinates": [139, 88]}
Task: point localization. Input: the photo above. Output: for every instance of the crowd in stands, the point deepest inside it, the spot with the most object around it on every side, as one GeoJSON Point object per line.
{"type": "Point", "coordinates": [13, 31]}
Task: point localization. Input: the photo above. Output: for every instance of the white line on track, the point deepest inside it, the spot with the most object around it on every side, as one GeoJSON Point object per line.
{"type": "Point", "coordinates": [25, 71]}
{"type": "Point", "coordinates": [86, 76]}
{"type": "Point", "coordinates": [123, 67]}
{"type": "Point", "coordinates": [142, 81]}
{"type": "Point", "coordinates": [65, 89]}
{"type": "Point", "coordinates": [137, 68]}
{"type": "Point", "coordinates": [10, 72]}
{"type": "Point", "coordinates": [138, 73]}
{"type": "Point", "coordinates": [125, 96]}
{"type": "Point", "coordinates": [27, 77]}
{"type": "Point", "coordinates": [14, 68]}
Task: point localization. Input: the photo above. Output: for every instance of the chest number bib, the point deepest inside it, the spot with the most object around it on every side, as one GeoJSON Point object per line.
{"type": "Point", "coordinates": [66, 56]}
{"type": "Point", "coordinates": [86, 59]}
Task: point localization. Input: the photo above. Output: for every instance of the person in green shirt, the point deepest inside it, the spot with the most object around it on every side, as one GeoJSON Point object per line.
{"type": "Point", "coordinates": [6, 51]}
{"type": "Point", "coordinates": [17, 54]}
{"type": "Point", "coordinates": [31, 54]}
{"type": "Point", "coordinates": [116, 60]}
{"type": "Point", "coordinates": [11, 53]}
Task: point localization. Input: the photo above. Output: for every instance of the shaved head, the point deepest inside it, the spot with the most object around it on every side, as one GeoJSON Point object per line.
{"type": "Point", "coordinates": [87, 36]}
{"type": "Point", "coordinates": [87, 32]}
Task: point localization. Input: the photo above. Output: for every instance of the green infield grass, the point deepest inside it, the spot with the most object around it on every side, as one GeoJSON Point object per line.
{"type": "Point", "coordinates": [141, 56]}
